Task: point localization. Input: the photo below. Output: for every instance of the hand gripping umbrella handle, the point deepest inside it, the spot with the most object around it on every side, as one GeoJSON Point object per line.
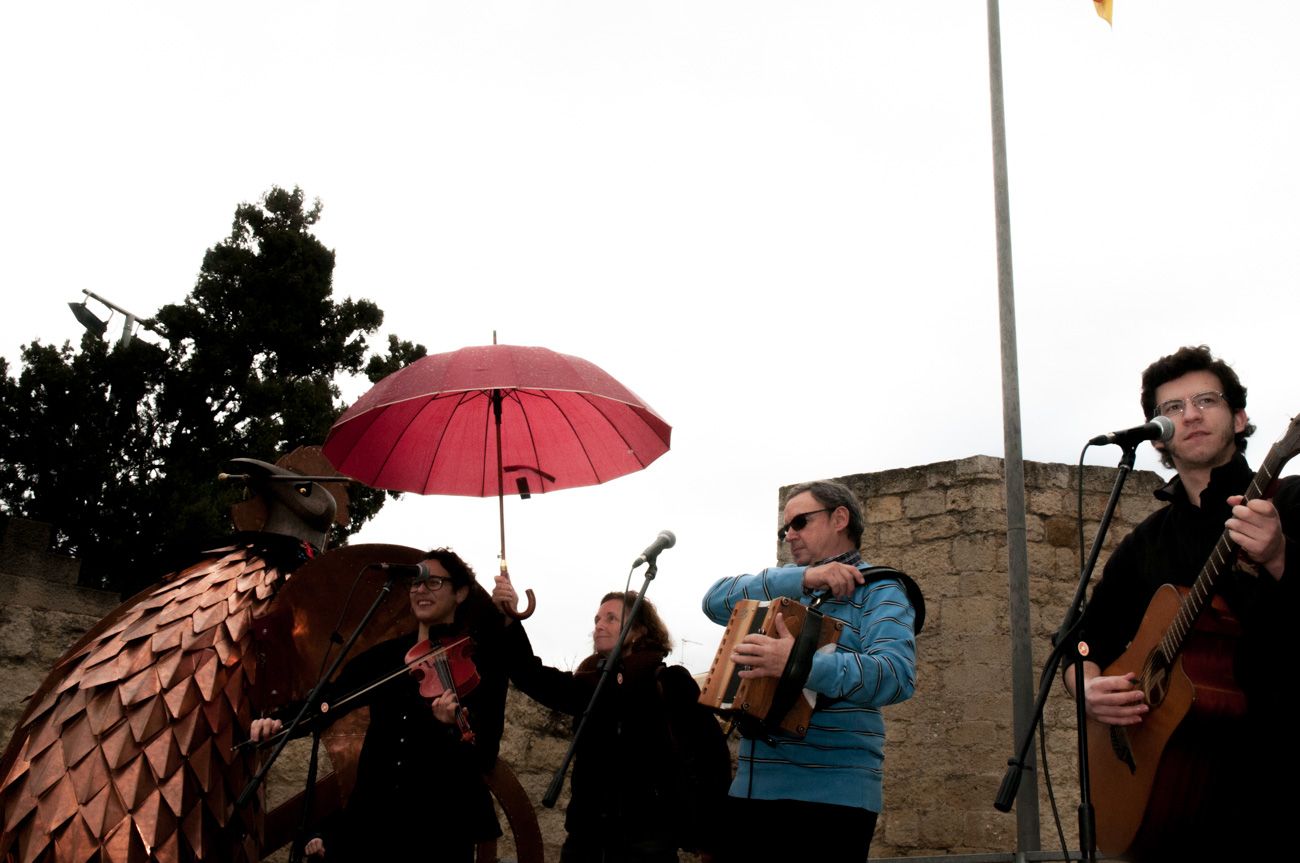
{"type": "Point", "coordinates": [528, 609]}
{"type": "Point", "coordinates": [514, 613]}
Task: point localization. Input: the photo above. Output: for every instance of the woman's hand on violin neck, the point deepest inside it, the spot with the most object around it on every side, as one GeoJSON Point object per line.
{"type": "Point", "coordinates": [261, 729]}
{"type": "Point", "coordinates": [315, 848]}
{"type": "Point", "coordinates": [445, 707]}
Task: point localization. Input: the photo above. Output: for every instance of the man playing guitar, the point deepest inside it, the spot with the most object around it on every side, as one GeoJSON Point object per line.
{"type": "Point", "coordinates": [1233, 808]}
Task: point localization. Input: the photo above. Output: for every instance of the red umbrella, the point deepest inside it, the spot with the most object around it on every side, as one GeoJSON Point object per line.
{"type": "Point", "coordinates": [472, 421]}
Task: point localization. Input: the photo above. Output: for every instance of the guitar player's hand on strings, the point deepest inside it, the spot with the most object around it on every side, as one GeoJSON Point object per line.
{"type": "Point", "coordinates": [1257, 531]}
{"type": "Point", "coordinates": [1113, 700]}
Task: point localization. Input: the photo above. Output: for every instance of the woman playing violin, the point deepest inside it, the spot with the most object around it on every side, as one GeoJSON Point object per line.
{"type": "Point", "coordinates": [419, 793]}
{"type": "Point", "coordinates": [649, 754]}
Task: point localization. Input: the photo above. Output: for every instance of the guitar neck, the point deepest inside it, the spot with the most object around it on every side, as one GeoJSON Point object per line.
{"type": "Point", "coordinates": [1221, 558]}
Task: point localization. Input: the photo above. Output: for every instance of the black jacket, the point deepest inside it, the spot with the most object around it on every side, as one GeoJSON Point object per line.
{"type": "Point", "coordinates": [416, 777]}
{"type": "Point", "coordinates": [652, 765]}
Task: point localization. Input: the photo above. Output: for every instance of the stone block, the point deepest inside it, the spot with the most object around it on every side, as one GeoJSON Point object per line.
{"type": "Point", "coordinates": [974, 554]}
{"type": "Point", "coordinates": [1040, 475]}
{"type": "Point", "coordinates": [971, 615]}
{"type": "Point", "coordinates": [1033, 528]}
{"type": "Point", "coordinates": [983, 496]}
{"type": "Point", "coordinates": [974, 734]}
{"type": "Point", "coordinates": [988, 828]}
{"type": "Point", "coordinates": [995, 706]}
{"type": "Point", "coordinates": [990, 584]}
{"type": "Point", "coordinates": [918, 561]}
{"type": "Point", "coordinates": [20, 680]}
{"type": "Point", "coordinates": [941, 526]}
{"type": "Point", "coordinates": [982, 522]}
{"type": "Point", "coordinates": [975, 677]}
{"type": "Point", "coordinates": [885, 508]}
{"type": "Point", "coordinates": [893, 535]}
{"type": "Point", "coordinates": [937, 584]}
{"type": "Point", "coordinates": [992, 649]}
{"type": "Point", "coordinates": [45, 594]}
{"type": "Point", "coordinates": [25, 551]}
{"type": "Point", "coordinates": [1042, 561]}
{"type": "Point", "coordinates": [17, 632]}
{"type": "Point", "coordinates": [900, 829]}
{"type": "Point", "coordinates": [57, 631]}
{"type": "Point", "coordinates": [897, 481]}
{"type": "Point", "coordinates": [976, 468]}
{"type": "Point", "coordinates": [1048, 502]}
{"type": "Point", "coordinates": [923, 503]}
{"type": "Point", "coordinates": [940, 826]}
{"type": "Point", "coordinates": [1061, 532]}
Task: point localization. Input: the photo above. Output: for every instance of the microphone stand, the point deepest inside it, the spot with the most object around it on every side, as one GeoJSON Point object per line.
{"type": "Point", "coordinates": [314, 696]}
{"type": "Point", "coordinates": [607, 667]}
{"type": "Point", "coordinates": [1063, 642]}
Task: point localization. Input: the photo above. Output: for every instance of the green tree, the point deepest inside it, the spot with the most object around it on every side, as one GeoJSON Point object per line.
{"type": "Point", "coordinates": [119, 446]}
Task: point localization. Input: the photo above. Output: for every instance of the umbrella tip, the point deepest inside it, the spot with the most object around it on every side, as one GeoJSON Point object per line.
{"type": "Point", "coordinates": [494, 337]}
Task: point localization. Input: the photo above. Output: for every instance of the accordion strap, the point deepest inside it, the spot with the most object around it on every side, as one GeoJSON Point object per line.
{"type": "Point", "coordinates": [880, 573]}
{"type": "Point", "coordinates": [797, 667]}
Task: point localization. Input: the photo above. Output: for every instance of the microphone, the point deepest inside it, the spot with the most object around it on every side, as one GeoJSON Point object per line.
{"type": "Point", "coordinates": [1160, 428]}
{"type": "Point", "coordinates": [400, 570]}
{"type": "Point", "coordinates": [665, 539]}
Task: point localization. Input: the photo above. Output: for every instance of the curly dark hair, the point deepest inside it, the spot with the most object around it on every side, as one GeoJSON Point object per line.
{"type": "Point", "coordinates": [462, 574]}
{"type": "Point", "coordinates": [833, 495]}
{"type": "Point", "coordinates": [654, 635]}
{"type": "Point", "coordinates": [1194, 358]}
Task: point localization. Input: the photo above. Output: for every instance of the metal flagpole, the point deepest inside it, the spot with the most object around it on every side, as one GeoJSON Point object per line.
{"type": "Point", "coordinates": [1022, 683]}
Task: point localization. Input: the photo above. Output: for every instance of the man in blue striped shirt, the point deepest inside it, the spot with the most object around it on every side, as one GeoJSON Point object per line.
{"type": "Point", "coordinates": [817, 797]}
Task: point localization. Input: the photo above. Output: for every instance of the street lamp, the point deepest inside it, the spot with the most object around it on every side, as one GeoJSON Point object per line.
{"type": "Point", "coordinates": [95, 325]}
{"type": "Point", "coordinates": [88, 318]}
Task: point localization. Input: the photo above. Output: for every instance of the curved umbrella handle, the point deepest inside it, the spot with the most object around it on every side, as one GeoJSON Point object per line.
{"type": "Point", "coordinates": [528, 609]}
{"type": "Point", "coordinates": [511, 612]}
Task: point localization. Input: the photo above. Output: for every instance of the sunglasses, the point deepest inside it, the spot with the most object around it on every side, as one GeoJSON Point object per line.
{"type": "Point", "coordinates": [799, 522]}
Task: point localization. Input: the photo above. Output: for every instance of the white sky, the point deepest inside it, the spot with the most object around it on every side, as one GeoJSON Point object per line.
{"type": "Point", "coordinates": [771, 220]}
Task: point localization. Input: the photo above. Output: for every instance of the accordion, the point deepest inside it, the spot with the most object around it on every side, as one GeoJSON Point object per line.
{"type": "Point", "coordinates": [760, 706]}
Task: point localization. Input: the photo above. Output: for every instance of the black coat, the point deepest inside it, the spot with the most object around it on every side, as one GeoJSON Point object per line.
{"type": "Point", "coordinates": [1170, 547]}
{"type": "Point", "coordinates": [416, 777]}
{"type": "Point", "coordinates": [652, 766]}
{"type": "Point", "coordinates": [1243, 812]}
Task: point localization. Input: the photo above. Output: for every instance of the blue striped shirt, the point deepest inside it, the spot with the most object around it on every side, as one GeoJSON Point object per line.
{"type": "Point", "coordinates": [841, 759]}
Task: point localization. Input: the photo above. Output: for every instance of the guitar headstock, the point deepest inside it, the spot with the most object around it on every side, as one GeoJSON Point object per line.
{"type": "Point", "coordinates": [1288, 445]}
{"type": "Point", "coordinates": [1286, 448]}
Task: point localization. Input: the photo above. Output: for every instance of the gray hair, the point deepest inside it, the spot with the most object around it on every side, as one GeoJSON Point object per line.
{"type": "Point", "coordinates": [833, 495]}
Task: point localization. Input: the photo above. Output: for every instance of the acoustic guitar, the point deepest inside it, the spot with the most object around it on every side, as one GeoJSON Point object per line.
{"type": "Point", "coordinates": [1147, 779]}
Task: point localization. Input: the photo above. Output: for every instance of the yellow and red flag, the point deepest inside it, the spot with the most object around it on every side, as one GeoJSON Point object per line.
{"type": "Point", "coordinates": [1103, 9]}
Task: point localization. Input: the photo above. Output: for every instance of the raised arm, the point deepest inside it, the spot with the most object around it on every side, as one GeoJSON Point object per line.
{"type": "Point", "coordinates": [875, 663]}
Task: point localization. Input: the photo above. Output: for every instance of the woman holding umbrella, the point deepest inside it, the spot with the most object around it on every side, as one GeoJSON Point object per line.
{"type": "Point", "coordinates": [420, 792]}
{"type": "Point", "coordinates": [652, 764]}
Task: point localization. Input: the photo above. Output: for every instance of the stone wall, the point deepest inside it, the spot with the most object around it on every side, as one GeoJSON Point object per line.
{"type": "Point", "coordinates": [42, 613]}
{"type": "Point", "coordinates": [947, 747]}
{"type": "Point", "coordinates": [946, 751]}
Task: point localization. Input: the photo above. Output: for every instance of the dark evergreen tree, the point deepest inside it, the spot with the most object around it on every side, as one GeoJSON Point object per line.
{"type": "Point", "coordinates": [119, 446]}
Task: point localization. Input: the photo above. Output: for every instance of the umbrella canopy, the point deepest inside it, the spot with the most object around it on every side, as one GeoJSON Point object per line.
{"type": "Point", "coordinates": [430, 427]}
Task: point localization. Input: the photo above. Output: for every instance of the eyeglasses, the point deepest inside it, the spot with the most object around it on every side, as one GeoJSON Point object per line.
{"type": "Point", "coordinates": [1201, 401]}
{"type": "Point", "coordinates": [431, 583]}
{"type": "Point", "coordinates": [799, 522]}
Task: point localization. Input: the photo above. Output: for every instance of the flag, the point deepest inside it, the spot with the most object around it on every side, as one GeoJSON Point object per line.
{"type": "Point", "coordinates": [1103, 9]}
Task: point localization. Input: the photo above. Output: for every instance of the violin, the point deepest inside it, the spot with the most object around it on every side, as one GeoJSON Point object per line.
{"type": "Point", "coordinates": [441, 668]}
{"type": "Point", "coordinates": [437, 667]}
